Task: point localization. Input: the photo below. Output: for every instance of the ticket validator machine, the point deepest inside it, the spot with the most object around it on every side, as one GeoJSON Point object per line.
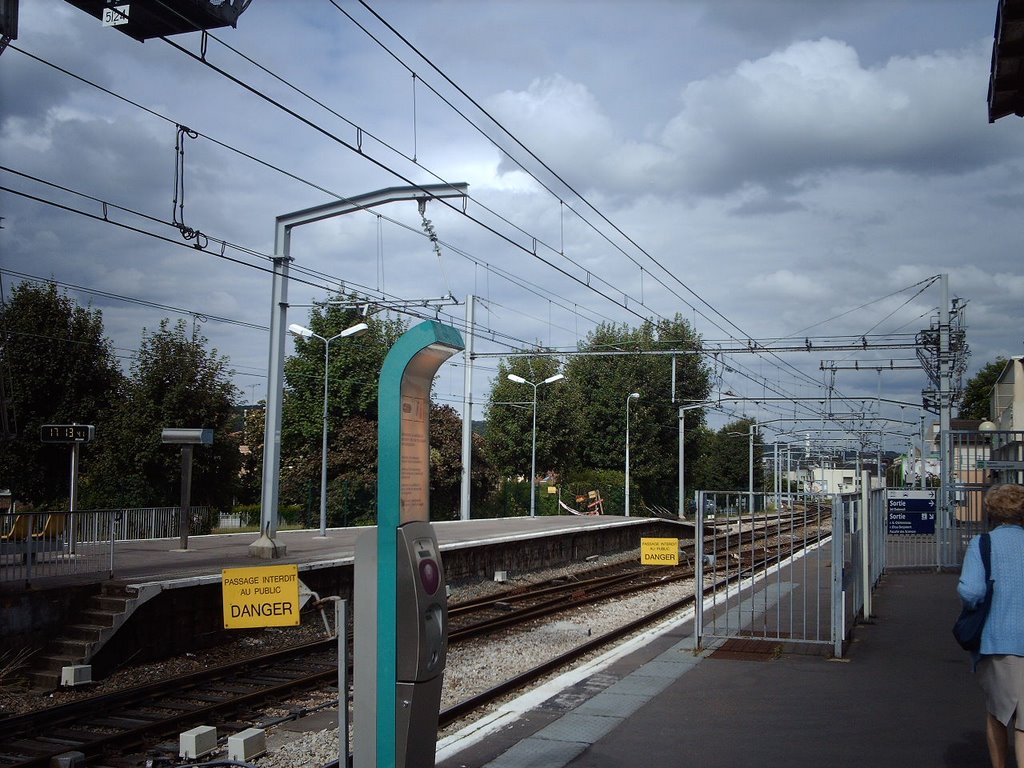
{"type": "Point", "coordinates": [401, 608]}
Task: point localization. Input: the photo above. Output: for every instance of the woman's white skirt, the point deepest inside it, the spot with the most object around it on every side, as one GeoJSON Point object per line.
{"type": "Point", "coordinates": [1002, 680]}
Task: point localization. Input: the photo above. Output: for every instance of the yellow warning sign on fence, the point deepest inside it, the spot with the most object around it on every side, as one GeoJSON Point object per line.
{"type": "Point", "coordinates": [659, 551]}
{"type": "Point", "coordinates": [261, 597]}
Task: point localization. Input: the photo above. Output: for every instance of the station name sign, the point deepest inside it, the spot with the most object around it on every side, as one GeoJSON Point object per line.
{"type": "Point", "coordinates": [659, 551]}
{"type": "Point", "coordinates": [266, 596]}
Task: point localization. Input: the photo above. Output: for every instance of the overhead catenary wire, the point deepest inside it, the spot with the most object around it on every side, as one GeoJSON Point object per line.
{"type": "Point", "coordinates": [133, 300]}
{"type": "Point", "coordinates": [561, 202]}
{"type": "Point", "coordinates": [510, 341]}
{"type": "Point", "coordinates": [550, 170]}
{"type": "Point", "coordinates": [624, 303]}
{"type": "Point", "coordinates": [297, 268]}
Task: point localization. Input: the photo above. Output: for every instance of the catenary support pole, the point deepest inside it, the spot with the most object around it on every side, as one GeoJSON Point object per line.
{"type": "Point", "coordinates": [467, 416]}
{"type": "Point", "coordinates": [945, 405]}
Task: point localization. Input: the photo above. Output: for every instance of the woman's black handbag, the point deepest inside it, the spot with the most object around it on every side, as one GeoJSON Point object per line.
{"type": "Point", "coordinates": [967, 629]}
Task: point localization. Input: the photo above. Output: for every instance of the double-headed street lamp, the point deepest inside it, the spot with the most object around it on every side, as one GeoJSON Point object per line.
{"type": "Point", "coordinates": [632, 396]}
{"type": "Point", "coordinates": [728, 397]}
{"type": "Point", "coordinates": [749, 434]}
{"type": "Point", "coordinates": [533, 449]}
{"type": "Point", "coordinates": [299, 330]}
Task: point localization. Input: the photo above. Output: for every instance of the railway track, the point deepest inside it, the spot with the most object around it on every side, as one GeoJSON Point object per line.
{"type": "Point", "coordinates": [232, 696]}
{"type": "Point", "coordinates": [127, 721]}
{"type": "Point", "coordinates": [611, 585]}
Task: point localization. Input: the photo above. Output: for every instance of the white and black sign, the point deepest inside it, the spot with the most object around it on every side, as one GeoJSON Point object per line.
{"type": "Point", "coordinates": [911, 512]}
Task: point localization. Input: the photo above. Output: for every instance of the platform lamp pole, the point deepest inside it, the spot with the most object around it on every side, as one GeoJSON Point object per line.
{"type": "Point", "coordinates": [533, 449]}
{"type": "Point", "coordinates": [632, 396]}
{"type": "Point", "coordinates": [301, 331]}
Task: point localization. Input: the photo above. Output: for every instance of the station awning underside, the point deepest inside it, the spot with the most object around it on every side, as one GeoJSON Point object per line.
{"type": "Point", "coordinates": [1006, 82]}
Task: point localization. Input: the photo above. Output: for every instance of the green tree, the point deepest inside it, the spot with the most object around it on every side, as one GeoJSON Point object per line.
{"type": "Point", "coordinates": [352, 473]}
{"type": "Point", "coordinates": [354, 369]}
{"type": "Point", "coordinates": [352, 395]}
{"type": "Point", "coordinates": [978, 391]}
{"type": "Point", "coordinates": [354, 362]}
{"type": "Point", "coordinates": [604, 382]}
{"type": "Point", "coordinates": [446, 465]}
{"type": "Point", "coordinates": [509, 414]}
{"type": "Point", "coordinates": [724, 458]}
{"type": "Point", "coordinates": [250, 480]}
{"type": "Point", "coordinates": [63, 370]}
{"type": "Point", "coordinates": [175, 382]}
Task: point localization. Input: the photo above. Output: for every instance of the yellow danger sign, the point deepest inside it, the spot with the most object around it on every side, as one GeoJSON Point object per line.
{"type": "Point", "coordinates": [659, 551]}
{"type": "Point", "coordinates": [261, 597]}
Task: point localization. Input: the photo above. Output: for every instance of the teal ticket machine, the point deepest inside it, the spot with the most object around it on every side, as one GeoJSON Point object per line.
{"type": "Point", "coordinates": [401, 608]}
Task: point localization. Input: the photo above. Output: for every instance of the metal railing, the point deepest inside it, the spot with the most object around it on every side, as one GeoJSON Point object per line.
{"type": "Point", "coordinates": [160, 522]}
{"type": "Point", "coordinates": [35, 545]}
{"type": "Point", "coordinates": [39, 544]}
{"type": "Point", "coordinates": [766, 593]}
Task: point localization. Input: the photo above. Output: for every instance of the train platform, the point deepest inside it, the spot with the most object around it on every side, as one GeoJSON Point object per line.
{"type": "Point", "coordinates": [903, 696]}
{"type": "Point", "coordinates": [157, 599]}
{"type": "Point", "coordinates": [151, 561]}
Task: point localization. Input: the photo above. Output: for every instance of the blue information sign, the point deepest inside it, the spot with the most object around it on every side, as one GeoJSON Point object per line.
{"type": "Point", "coordinates": [911, 512]}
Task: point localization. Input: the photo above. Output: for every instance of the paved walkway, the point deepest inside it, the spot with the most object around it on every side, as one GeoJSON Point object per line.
{"type": "Point", "coordinates": [904, 696]}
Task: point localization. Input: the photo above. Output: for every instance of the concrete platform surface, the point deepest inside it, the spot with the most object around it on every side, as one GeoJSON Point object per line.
{"type": "Point", "coordinates": [162, 560]}
{"type": "Point", "coordinates": [903, 696]}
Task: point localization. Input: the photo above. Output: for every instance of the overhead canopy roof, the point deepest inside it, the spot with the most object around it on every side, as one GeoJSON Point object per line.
{"type": "Point", "coordinates": [158, 18]}
{"type": "Point", "coordinates": [1006, 83]}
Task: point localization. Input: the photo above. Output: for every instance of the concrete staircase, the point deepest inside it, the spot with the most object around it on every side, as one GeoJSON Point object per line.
{"type": "Point", "coordinates": [97, 621]}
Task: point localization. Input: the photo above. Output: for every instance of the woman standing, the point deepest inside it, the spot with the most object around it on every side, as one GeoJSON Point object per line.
{"type": "Point", "coordinates": [999, 664]}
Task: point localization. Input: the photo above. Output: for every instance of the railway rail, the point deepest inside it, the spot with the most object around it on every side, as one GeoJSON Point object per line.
{"type": "Point", "coordinates": [126, 721]}
{"type": "Point", "coordinates": [232, 695]}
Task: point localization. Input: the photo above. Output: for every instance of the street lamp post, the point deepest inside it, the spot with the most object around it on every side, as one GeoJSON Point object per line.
{"type": "Point", "coordinates": [298, 330]}
{"type": "Point", "coordinates": [533, 448]}
{"type": "Point", "coordinates": [729, 395]}
{"type": "Point", "coordinates": [750, 462]}
{"type": "Point", "coordinates": [682, 451]}
{"type": "Point", "coordinates": [632, 396]}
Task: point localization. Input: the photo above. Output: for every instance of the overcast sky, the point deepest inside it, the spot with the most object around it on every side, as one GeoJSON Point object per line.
{"type": "Point", "coordinates": [768, 169]}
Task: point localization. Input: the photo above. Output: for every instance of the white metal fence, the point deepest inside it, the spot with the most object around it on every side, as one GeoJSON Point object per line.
{"type": "Point", "coordinates": [859, 563]}
{"type": "Point", "coordinates": [763, 591]}
{"type": "Point", "coordinates": [159, 522]}
{"type": "Point", "coordinates": [763, 595]}
{"type": "Point", "coordinates": [917, 534]}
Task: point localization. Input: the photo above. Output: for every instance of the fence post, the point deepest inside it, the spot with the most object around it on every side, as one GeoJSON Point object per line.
{"type": "Point", "coordinates": [838, 597]}
{"type": "Point", "coordinates": [698, 587]}
{"type": "Point", "coordinates": [113, 522]}
{"type": "Point", "coordinates": [865, 545]}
